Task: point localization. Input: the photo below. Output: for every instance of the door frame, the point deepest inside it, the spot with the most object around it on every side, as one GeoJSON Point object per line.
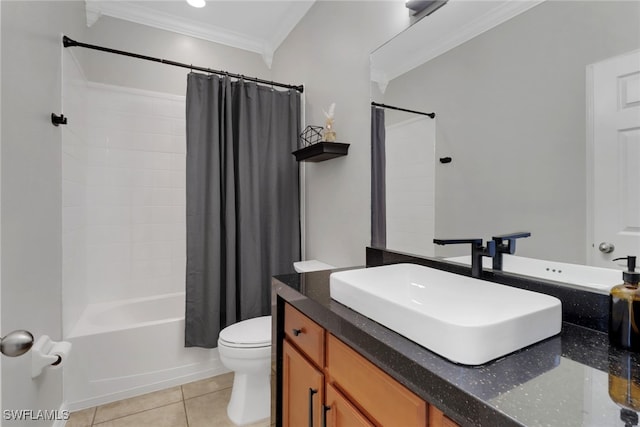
{"type": "Point", "coordinates": [1, 406]}
{"type": "Point", "coordinates": [590, 145]}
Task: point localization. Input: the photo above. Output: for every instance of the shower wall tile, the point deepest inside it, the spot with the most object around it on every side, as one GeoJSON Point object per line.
{"type": "Point", "coordinates": [135, 193]}
{"type": "Point", "coordinates": [123, 183]}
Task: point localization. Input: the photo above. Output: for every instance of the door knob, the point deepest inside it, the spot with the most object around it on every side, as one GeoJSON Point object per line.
{"type": "Point", "coordinates": [606, 247]}
{"type": "Point", "coordinates": [16, 343]}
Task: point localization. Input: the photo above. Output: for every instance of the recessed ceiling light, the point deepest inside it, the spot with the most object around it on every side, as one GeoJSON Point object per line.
{"type": "Point", "coordinates": [197, 3]}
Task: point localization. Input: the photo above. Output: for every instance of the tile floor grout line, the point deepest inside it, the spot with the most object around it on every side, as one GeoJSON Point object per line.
{"type": "Point", "coordinates": [135, 413]}
{"type": "Point", "coordinates": [183, 399]}
{"type": "Point", "coordinates": [93, 418]}
{"type": "Point", "coordinates": [184, 406]}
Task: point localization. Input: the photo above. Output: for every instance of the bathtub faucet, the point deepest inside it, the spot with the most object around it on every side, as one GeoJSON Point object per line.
{"type": "Point", "coordinates": [477, 252]}
{"type": "Point", "coordinates": [506, 244]}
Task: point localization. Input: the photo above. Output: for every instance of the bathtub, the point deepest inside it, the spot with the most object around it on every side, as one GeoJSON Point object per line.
{"type": "Point", "coordinates": [131, 347]}
{"type": "Point", "coordinates": [594, 279]}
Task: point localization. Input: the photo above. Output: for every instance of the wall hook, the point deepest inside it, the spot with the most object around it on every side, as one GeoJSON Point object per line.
{"type": "Point", "coordinates": [58, 120]}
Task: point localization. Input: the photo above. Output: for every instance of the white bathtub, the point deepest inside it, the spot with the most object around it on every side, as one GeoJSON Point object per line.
{"type": "Point", "coordinates": [131, 347]}
{"type": "Point", "coordinates": [585, 277]}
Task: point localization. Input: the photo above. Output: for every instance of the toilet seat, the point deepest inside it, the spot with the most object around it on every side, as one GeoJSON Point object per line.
{"type": "Point", "coordinates": [250, 333]}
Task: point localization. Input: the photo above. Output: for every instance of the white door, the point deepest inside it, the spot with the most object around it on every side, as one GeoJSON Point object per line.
{"type": "Point", "coordinates": [614, 130]}
{"type": "Point", "coordinates": [410, 185]}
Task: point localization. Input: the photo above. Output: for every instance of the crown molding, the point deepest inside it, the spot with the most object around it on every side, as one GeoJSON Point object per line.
{"type": "Point", "coordinates": [294, 14]}
{"type": "Point", "coordinates": [379, 77]}
{"type": "Point", "coordinates": [164, 21]}
{"type": "Point", "coordinates": [458, 34]}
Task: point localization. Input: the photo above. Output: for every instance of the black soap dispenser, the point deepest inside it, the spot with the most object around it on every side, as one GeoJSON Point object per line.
{"type": "Point", "coordinates": [624, 309]}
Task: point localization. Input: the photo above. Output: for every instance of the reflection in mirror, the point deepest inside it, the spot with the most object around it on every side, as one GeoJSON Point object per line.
{"type": "Point", "coordinates": [513, 107]}
{"type": "Point", "coordinates": [403, 174]}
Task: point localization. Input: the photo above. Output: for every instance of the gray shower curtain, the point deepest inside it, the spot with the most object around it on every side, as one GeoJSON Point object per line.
{"type": "Point", "coordinates": [378, 186]}
{"type": "Point", "coordinates": [243, 222]}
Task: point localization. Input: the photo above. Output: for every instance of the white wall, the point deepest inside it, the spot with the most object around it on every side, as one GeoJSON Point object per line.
{"type": "Point", "coordinates": [31, 189]}
{"type": "Point", "coordinates": [510, 107]}
{"type": "Point", "coordinates": [74, 182]}
{"type": "Point", "coordinates": [329, 53]}
{"type": "Point", "coordinates": [117, 70]}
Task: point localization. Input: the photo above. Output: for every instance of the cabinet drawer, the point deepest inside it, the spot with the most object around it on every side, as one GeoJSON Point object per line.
{"type": "Point", "coordinates": [380, 397]}
{"type": "Point", "coordinates": [306, 334]}
{"type": "Point", "coordinates": [341, 413]}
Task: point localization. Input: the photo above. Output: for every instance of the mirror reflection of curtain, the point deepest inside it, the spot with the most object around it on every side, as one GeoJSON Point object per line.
{"type": "Point", "coordinates": [242, 200]}
{"type": "Point", "coordinates": [378, 198]}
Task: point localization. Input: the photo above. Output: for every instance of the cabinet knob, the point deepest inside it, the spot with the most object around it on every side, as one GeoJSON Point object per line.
{"type": "Point", "coordinates": [297, 332]}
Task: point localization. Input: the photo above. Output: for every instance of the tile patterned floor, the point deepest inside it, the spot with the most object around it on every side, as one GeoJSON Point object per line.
{"type": "Point", "coordinates": [198, 404]}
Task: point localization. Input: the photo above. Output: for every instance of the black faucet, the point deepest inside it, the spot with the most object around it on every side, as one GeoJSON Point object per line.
{"type": "Point", "coordinates": [506, 244]}
{"type": "Point", "coordinates": [477, 252]}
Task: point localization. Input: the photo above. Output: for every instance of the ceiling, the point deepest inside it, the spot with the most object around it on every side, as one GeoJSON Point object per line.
{"type": "Point", "coordinates": [257, 26]}
{"type": "Point", "coordinates": [260, 26]}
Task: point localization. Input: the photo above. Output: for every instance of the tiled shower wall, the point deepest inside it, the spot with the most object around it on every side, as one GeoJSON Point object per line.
{"type": "Point", "coordinates": [124, 194]}
{"type": "Point", "coordinates": [135, 194]}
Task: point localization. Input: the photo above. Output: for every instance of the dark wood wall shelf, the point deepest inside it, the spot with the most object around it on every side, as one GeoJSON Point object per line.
{"type": "Point", "coordinates": [321, 151]}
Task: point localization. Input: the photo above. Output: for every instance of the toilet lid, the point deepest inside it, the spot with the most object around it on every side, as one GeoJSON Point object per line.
{"type": "Point", "coordinates": [254, 332]}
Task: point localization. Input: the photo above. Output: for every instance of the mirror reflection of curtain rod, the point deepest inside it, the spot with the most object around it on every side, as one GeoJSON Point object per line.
{"type": "Point", "coordinates": [376, 104]}
{"type": "Point", "coordinates": [67, 42]}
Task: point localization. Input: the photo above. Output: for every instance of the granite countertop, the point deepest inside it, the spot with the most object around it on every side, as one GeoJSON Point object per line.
{"type": "Point", "coordinates": [561, 381]}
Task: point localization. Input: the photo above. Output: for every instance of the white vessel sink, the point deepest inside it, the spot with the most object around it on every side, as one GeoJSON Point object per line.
{"type": "Point", "coordinates": [465, 320]}
{"type": "Point", "coordinates": [595, 279]}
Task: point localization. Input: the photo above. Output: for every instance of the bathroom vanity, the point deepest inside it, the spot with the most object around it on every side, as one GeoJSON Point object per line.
{"type": "Point", "coordinates": [337, 367]}
{"type": "Point", "coordinates": [325, 380]}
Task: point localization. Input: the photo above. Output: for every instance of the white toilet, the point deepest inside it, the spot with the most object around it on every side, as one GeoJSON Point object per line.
{"type": "Point", "coordinates": [245, 348]}
{"type": "Point", "coordinates": [311, 265]}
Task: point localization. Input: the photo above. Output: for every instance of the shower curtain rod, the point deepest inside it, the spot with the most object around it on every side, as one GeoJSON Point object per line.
{"type": "Point", "coordinates": [67, 42]}
{"type": "Point", "coordinates": [375, 104]}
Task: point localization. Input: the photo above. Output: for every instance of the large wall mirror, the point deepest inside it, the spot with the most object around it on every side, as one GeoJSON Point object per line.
{"type": "Point", "coordinates": [519, 105]}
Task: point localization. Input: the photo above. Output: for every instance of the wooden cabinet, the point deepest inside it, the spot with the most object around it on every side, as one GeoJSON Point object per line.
{"type": "Point", "coordinates": [303, 389]}
{"type": "Point", "coordinates": [438, 419]}
{"type": "Point", "coordinates": [306, 334]}
{"type": "Point", "coordinates": [380, 397]}
{"type": "Point", "coordinates": [325, 383]}
{"type": "Point", "coordinates": [340, 412]}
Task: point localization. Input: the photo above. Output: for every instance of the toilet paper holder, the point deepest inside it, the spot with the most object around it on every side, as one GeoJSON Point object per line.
{"type": "Point", "coordinates": [48, 353]}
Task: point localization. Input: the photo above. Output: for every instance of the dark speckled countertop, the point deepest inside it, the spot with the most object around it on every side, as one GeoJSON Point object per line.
{"type": "Point", "coordinates": [562, 381]}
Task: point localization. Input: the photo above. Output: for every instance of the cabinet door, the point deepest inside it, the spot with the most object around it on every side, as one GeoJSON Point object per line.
{"type": "Point", "coordinates": [385, 401]}
{"type": "Point", "coordinates": [438, 419]}
{"type": "Point", "coordinates": [303, 391]}
{"type": "Point", "coordinates": [341, 413]}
